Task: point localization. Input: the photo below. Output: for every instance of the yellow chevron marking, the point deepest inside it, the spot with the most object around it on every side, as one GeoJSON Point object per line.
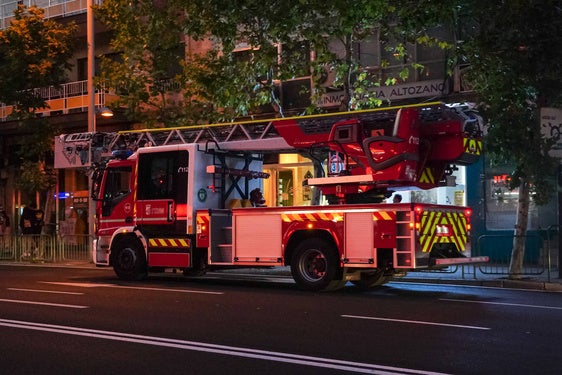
{"type": "Point", "coordinates": [428, 237]}
{"type": "Point", "coordinates": [472, 146]}
{"type": "Point", "coordinates": [427, 176]}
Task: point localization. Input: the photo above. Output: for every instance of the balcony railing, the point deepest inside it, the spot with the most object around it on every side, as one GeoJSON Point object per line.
{"type": "Point", "coordinates": [53, 8]}
{"type": "Point", "coordinates": [68, 98]}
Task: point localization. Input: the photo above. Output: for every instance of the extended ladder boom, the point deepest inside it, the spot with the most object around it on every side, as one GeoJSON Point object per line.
{"type": "Point", "coordinates": [396, 146]}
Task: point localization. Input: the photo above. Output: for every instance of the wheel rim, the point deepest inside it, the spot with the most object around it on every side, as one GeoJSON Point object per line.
{"type": "Point", "coordinates": [127, 259]}
{"type": "Point", "coordinates": [313, 265]}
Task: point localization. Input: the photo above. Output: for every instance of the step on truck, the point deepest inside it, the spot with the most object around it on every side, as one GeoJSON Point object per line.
{"type": "Point", "coordinates": [188, 199]}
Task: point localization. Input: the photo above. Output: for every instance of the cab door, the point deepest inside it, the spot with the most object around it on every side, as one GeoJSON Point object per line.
{"type": "Point", "coordinates": [162, 188]}
{"type": "Point", "coordinates": [114, 207]}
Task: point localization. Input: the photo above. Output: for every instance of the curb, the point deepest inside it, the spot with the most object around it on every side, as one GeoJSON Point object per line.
{"type": "Point", "coordinates": [496, 283]}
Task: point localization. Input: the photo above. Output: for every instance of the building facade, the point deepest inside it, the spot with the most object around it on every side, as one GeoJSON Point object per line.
{"type": "Point", "coordinates": [481, 188]}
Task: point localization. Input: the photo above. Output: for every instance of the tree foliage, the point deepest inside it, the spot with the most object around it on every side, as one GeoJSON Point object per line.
{"type": "Point", "coordinates": [147, 73]}
{"type": "Point", "coordinates": [515, 67]}
{"type": "Point", "coordinates": [515, 56]}
{"type": "Point", "coordinates": [34, 53]}
{"type": "Point", "coordinates": [223, 84]}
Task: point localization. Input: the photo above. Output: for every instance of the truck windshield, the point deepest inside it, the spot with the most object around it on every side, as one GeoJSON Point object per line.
{"type": "Point", "coordinates": [117, 183]}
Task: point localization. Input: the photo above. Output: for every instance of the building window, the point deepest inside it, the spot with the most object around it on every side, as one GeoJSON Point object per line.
{"type": "Point", "coordinates": [501, 204]}
{"type": "Point", "coordinates": [372, 53]}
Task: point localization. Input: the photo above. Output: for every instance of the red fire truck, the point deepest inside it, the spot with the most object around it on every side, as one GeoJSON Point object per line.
{"type": "Point", "coordinates": [179, 199]}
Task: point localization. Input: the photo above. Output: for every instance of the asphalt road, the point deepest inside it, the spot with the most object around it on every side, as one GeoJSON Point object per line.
{"type": "Point", "coordinates": [70, 321]}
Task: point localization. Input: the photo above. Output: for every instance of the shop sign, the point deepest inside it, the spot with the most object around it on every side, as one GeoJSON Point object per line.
{"type": "Point", "coordinates": [392, 93]}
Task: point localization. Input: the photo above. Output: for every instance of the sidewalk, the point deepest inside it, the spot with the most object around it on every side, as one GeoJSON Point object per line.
{"type": "Point", "coordinates": [467, 276]}
{"type": "Point", "coordinates": [461, 276]}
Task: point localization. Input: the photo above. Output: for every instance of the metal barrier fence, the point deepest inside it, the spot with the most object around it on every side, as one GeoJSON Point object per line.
{"type": "Point", "coordinates": [65, 248]}
{"type": "Point", "coordinates": [541, 256]}
{"type": "Point", "coordinates": [45, 248]}
{"type": "Point", "coordinates": [537, 259]}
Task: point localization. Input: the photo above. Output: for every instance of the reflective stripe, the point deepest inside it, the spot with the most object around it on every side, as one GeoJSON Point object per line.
{"type": "Point", "coordinates": [169, 242]}
{"type": "Point", "coordinates": [203, 219]}
{"type": "Point", "coordinates": [321, 216]}
{"type": "Point", "coordinates": [336, 217]}
{"type": "Point", "coordinates": [384, 215]}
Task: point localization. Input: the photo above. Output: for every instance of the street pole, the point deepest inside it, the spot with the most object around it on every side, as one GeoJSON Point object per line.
{"type": "Point", "coordinates": [91, 108]}
{"type": "Point", "coordinates": [91, 66]}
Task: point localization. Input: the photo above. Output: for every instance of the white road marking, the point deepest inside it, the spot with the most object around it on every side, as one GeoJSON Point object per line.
{"type": "Point", "coordinates": [94, 285]}
{"type": "Point", "coordinates": [44, 303]}
{"type": "Point", "coordinates": [502, 304]}
{"type": "Point", "coordinates": [44, 291]}
{"type": "Point", "coordinates": [347, 366]}
{"type": "Point", "coordinates": [414, 322]}
{"type": "Point", "coordinates": [81, 285]}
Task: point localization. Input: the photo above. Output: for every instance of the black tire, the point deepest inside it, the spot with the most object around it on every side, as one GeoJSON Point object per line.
{"type": "Point", "coordinates": [315, 266]}
{"type": "Point", "coordinates": [199, 267]}
{"type": "Point", "coordinates": [371, 280]}
{"type": "Point", "coordinates": [129, 260]}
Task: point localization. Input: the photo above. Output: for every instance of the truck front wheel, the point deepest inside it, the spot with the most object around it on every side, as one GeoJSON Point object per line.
{"type": "Point", "coordinates": [314, 265]}
{"type": "Point", "coordinates": [129, 261]}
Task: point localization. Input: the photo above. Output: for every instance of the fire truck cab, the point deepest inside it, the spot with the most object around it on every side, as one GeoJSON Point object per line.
{"type": "Point", "coordinates": [146, 204]}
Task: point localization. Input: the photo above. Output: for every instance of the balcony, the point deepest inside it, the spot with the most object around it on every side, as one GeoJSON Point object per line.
{"type": "Point", "coordinates": [53, 8]}
{"type": "Point", "coordinates": [68, 98]}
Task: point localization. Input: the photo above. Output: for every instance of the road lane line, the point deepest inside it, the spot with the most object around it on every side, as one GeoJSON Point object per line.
{"type": "Point", "coordinates": [44, 291]}
{"type": "Point", "coordinates": [503, 304]}
{"type": "Point", "coordinates": [44, 303]}
{"type": "Point", "coordinates": [348, 366]}
{"type": "Point", "coordinates": [94, 285]}
{"type": "Point", "coordinates": [415, 322]}
{"type": "Point", "coordinates": [81, 285]}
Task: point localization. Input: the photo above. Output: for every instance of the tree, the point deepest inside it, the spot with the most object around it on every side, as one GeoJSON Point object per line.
{"type": "Point", "coordinates": [514, 54]}
{"type": "Point", "coordinates": [148, 72]}
{"type": "Point", "coordinates": [298, 27]}
{"type": "Point", "coordinates": [224, 84]}
{"type": "Point", "coordinates": [34, 53]}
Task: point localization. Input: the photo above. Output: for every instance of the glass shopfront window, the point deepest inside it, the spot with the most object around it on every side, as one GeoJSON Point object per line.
{"type": "Point", "coordinates": [501, 204]}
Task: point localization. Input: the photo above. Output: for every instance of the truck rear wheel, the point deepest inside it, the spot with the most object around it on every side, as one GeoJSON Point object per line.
{"type": "Point", "coordinates": [129, 261]}
{"type": "Point", "coordinates": [315, 267]}
{"type": "Point", "coordinates": [371, 279]}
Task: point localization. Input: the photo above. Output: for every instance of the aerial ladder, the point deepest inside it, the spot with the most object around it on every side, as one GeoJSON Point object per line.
{"type": "Point", "coordinates": [365, 153]}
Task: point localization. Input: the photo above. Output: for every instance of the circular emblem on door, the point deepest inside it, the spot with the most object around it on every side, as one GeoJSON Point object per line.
{"type": "Point", "coordinates": [202, 195]}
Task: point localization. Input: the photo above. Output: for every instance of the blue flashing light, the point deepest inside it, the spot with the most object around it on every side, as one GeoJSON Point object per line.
{"type": "Point", "coordinates": [62, 195]}
{"type": "Point", "coordinates": [121, 154]}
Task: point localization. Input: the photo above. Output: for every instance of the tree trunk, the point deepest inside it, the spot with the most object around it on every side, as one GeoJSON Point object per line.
{"type": "Point", "coordinates": [518, 251]}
